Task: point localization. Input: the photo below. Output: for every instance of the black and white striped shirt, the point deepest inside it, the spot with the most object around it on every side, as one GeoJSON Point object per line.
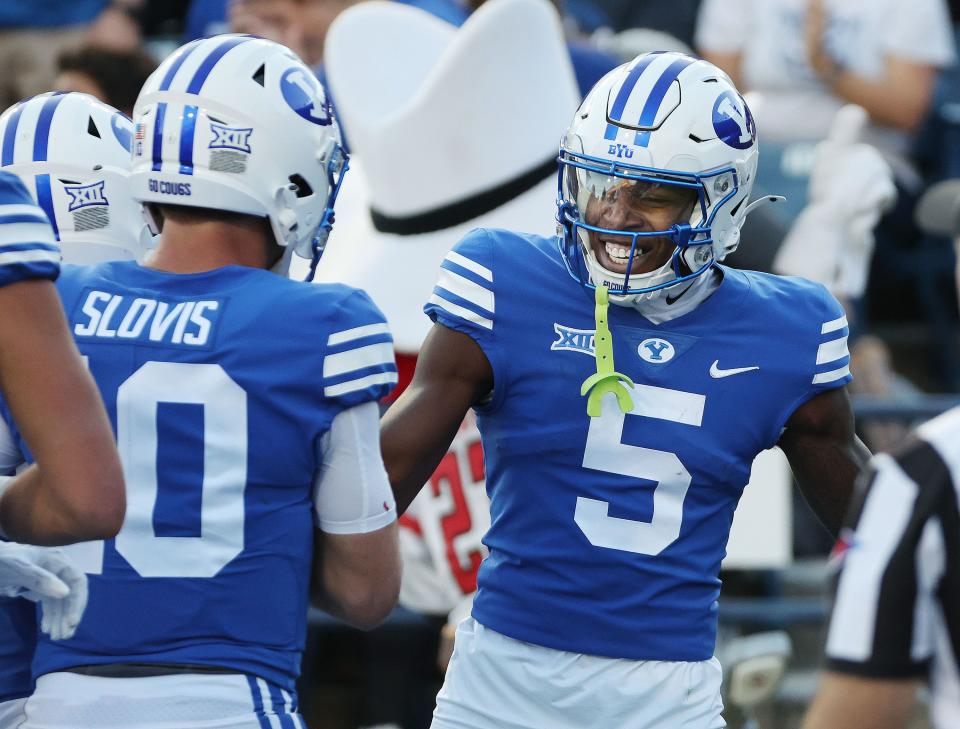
{"type": "Point", "coordinates": [897, 608]}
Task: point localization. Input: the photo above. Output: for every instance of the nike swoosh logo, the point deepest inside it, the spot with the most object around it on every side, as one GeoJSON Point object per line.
{"type": "Point", "coordinates": [676, 298]}
{"type": "Point", "coordinates": [717, 373]}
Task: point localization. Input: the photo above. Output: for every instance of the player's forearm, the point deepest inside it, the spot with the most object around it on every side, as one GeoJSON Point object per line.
{"type": "Point", "coordinates": [33, 512]}
{"type": "Point", "coordinates": [357, 576]}
{"type": "Point", "coordinates": [850, 702]}
{"type": "Point", "coordinates": [412, 454]}
{"type": "Point", "coordinates": [826, 473]}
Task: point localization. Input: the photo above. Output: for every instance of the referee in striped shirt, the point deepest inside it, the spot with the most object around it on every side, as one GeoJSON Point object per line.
{"type": "Point", "coordinates": [896, 619]}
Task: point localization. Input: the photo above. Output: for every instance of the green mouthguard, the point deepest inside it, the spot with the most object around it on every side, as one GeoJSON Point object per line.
{"type": "Point", "coordinates": [605, 379]}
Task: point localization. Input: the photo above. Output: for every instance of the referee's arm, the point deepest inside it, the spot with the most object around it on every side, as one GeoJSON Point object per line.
{"type": "Point", "coordinates": [879, 645]}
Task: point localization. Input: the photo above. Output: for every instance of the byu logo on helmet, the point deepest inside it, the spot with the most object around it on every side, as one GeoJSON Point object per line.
{"type": "Point", "coordinates": [225, 137]}
{"type": "Point", "coordinates": [656, 350]}
{"type": "Point", "coordinates": [733, 122]}
{"type": "Point", "coordinates": [621, 150]}
{"type": "Point", "coordinates": [82, 196]}
{"type": "Point", "coordinates": [302, 91]}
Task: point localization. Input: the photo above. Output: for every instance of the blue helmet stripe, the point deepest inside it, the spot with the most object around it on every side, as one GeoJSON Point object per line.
{"type": "Point", "coordinates": [629, 84]}
{"type": "Point", "coordinates": [177, 63]}
{"type": "Point", "coordinates": [158, 136]}
{"type": "Point", "coordinates": [187, 129]}
{"type": "Point", "coordinates": [201, 74]}
{"type": "Point", "coordinates": [649, 114]}
{"type": "Point", "coordinates": [41, 139]}
{"type": "Point", "coordinates": [10, 135]}
{"type": "Point", "coordinates": [45, 200]}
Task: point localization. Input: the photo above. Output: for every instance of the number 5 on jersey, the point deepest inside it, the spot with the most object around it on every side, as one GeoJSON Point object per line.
{"type": "Point", "coordinates": [605, 451]}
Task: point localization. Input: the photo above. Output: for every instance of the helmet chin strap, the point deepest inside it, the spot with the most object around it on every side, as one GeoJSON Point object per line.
{"type": "Point", "coordinates": [282, 266]}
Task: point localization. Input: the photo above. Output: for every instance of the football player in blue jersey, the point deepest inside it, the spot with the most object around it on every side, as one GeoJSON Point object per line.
{"type": "Point", "coordinates": [245, 406]}
{"type": "Point", "coordinates": [76, 491]}
{"type": "Point", "coordinates": [618, 438]}
{"type": "Point", "coordinates": [72, 153]}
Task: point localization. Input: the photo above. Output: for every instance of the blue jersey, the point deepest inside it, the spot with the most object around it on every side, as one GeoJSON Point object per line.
{"type": "Point", "coordinates": [27, 246]}
{"type": "Point", "coordinates": [220, 386]}
{"type": "Point", "coordinates": [607, 533]}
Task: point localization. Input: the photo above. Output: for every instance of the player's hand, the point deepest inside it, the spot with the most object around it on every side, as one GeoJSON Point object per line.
{"type": "Point", "coordinates": [46, 576]}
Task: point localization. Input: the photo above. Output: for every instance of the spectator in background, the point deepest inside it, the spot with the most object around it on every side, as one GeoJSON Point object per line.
{"type": "Point", "coordinates": [114, 77]}
{"type": "Point", "coordinates": [810, 57]}
{"type": "Point", "coordinates": [299, 24]}
{"type": "Point", "coordinates": [677, 17]}
{"type": "Point", "coordinates": [34, 32]}
{"type": "Point", "coordinates": [590, 63]}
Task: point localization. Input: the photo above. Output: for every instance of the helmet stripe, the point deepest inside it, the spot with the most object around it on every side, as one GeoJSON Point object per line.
{"type": "Point", "coordinates": [45, 200]}
{"type": "Point", "coordinates": [203, 71]}
{"type": "Point", "coordinates": [649, 114]}
{"type": "Point", "coordinates": [10, 135]}
{"type": "Point", "coordinates": [629, 84]}
{"type": "Point", "coordinates": [158, 136]}
{"type": "Point", "coordinates": [187, 129]}
{"type": "Point", "coordinates": [177, 63]}
{"type": "Point", "coordinates": [41, 138]}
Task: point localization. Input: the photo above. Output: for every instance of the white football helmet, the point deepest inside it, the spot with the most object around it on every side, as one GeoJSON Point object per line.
{"type": "Point", "coordinates": [241, 124]}
{"type": "Point", "coordinates": [73, 153]}
{"type": "Point", "coordinates": [663, 119]}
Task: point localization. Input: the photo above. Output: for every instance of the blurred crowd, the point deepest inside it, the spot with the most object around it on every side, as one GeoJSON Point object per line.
{"type": "Point", "coordinates": [857, 103]}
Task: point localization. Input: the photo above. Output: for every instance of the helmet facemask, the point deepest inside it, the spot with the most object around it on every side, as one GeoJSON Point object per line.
{"type": "Point", "coordinates": [618, 220]}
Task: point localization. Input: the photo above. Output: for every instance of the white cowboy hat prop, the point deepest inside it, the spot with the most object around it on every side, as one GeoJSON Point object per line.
{"type": "Point", "coordinates": [451, 129]}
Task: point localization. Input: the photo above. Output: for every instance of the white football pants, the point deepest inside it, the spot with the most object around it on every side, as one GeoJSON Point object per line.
{"type": "Point", "coordinates": [11, 713]}
{"type": "Point", "coordinates": [496, 682]}
{"type": "Point", "coordinates": [66, 700]}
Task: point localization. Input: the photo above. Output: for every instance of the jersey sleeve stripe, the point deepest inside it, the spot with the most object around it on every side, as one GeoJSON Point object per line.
{"type": "Point", "coordinates": [832, 375]}
{"type": "Point", "coordinates": [460, 312]}
{"type": "Point", "coordinates": [832, 351]}
{"type": "Point", "coordinates": [883, 521]}
{"type": "Point", "coordinates": [833, 325]}
{"type": "Point", "coordinates": [470, 265]}
{"type": "Point", "coordinates": [382, 378]}
{"type": "Point", "coordinates": [349, 335]}
{"type": "Point", "coordinates": [466, 289]}
{"type": "Point", "coordinates": [36, 216]}
{"type": "Point", "coordinates": [34, 231]}
{"type": "Point", "coordinates": [36, 256]}
{"type": "Point", "coordinates": [14, 247]}
{"type": "Point", "coordinates": [357, 359]}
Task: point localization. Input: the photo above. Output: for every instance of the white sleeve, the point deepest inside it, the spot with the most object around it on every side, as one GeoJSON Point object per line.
{"type": "Point", "coordinates": [920, 31]}
{"type": "Point", "coordinates": [722, 26]}
{"type": "Point", "coordinates": [351, 492]}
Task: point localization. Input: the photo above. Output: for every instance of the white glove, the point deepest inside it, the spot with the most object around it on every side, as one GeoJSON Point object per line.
{"type": "Point", "coordinates": [851, 186]}
{"type": "Point", "coordinates": [47, 576]}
